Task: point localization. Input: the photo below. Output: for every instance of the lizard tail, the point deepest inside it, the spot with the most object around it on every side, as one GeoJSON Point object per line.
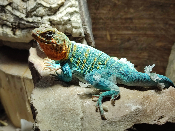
{"type": "Point", "coordinates": [151, 79]}
{"type": "Point", "coordinates": [167, 82]}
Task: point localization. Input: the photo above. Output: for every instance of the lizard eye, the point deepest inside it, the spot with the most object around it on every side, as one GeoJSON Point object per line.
{"type": "Point", "coordinates": [49, 34]}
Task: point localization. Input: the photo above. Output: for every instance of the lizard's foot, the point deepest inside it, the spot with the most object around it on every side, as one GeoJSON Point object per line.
{"type": "Point", "coordinates": [114, 94]}
{"type": "Point", "coordinates": [99, 106]}
{"type": "Point", "coordinates": [65, 75]}
{"type": "Point", "coordinates": [113, 97]}
{"type": "Point", "coordinates": [51, 65]}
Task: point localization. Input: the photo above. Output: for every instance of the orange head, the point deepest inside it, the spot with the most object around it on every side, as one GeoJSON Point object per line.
{"type": "Point", "coordinates": [55, 44]}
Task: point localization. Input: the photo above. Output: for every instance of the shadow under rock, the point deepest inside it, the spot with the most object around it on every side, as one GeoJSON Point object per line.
{"type": "Point", "coordinates": [148, 127]}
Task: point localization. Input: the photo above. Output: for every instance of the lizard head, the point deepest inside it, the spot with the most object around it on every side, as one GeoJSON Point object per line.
{"type": "Point", "coordinates": [55, 44]}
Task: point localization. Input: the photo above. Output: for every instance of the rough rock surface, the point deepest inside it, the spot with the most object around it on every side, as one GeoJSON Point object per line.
{"type": "Point", "coordinates": [19, 17]}
{"type": "Point", "coordinates": [170, 71]}
{"type": "Point", "coordinates": [69, 107]}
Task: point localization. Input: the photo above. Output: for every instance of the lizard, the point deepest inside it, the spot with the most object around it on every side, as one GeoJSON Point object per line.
{"type": "Point", "coordinates": [93, 66]}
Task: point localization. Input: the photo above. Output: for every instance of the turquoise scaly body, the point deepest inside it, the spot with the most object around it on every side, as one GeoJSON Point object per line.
{"type": "Point", "coordinates": [93, 66]}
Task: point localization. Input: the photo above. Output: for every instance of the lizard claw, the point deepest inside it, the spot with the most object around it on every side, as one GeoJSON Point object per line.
{"type": "Point", "coordinates": [52, 65]}
{"type": "Point", "coordinates": [95, 96]}
{"type": "Point", "coordinates": [103, 117]}
{"type": "Point", "coordinates": [96, 108]}
{"type": "Point", "coordinates": [55, 76]}
{"type": "Point", "coordinates": [113, 102]}
{"type": "Point", "coordinates": [113, 97]}
{"type": "Point", "coordinates": [101, 113]}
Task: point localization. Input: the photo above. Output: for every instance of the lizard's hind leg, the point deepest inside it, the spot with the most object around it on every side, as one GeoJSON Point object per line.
{"type": "Point", "coordinates": [114, 94]}
{"type": "Point", "coordinates": [112, 90]}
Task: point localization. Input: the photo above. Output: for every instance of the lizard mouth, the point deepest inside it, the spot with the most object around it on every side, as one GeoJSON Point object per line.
{"type": "Point", "coordinates": [37, 37]}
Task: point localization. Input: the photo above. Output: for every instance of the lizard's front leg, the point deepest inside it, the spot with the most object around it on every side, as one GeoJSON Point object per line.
{"type": "Point", "coordinates": [99, 82]}
{"type": "Point", "coordinates": [66, 74]}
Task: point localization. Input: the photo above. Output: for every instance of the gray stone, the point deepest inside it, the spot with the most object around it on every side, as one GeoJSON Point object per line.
{"type": "Point", "coordinates": [18, 18]}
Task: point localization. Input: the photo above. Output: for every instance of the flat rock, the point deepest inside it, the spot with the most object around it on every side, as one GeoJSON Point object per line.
{"type": "Point", "coordinates": [61, 106]}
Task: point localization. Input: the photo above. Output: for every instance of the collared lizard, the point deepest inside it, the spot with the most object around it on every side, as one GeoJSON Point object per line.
{"type": "Point", "coordinates": [93, 66]}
